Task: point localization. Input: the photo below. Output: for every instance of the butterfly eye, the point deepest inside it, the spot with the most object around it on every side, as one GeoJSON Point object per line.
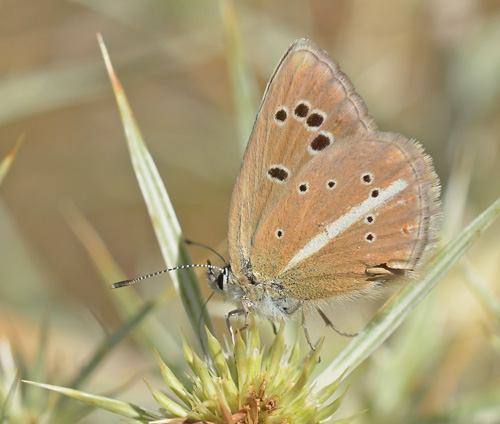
{"type": "Point", "coordinates": [375, 193]}
{"type": "Point", "coordinates": [221, 278]}
{"type": "Point", "coordinates": [370, 219]}
{"type": "Point", "coordinates": [279, 233]}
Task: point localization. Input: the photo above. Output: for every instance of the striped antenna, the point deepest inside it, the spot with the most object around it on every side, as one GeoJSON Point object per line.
{"type": "Point", "coordinates": [154, 274]}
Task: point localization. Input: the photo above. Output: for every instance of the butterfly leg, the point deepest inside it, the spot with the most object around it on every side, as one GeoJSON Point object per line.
{"type": "Point", "coordinates": [228, 321]}
{"type": "Point", "coordinates": [245, 310]}
{"type": "Point", "coordinates": [332, 326]}
{"type": "Point", "coordinates": [304, 326]}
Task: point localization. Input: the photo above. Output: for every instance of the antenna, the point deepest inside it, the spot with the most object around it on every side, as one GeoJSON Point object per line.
{"type": "Point", "coordinates": [164, 271]}
{"type": "Point", "coordinates": [195, 243]}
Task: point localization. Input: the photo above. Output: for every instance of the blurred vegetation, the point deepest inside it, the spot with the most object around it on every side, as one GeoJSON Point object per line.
{"type": "Point", "coordinates": [72, 219]}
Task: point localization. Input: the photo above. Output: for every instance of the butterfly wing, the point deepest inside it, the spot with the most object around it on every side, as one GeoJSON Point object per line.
{"type": "Point", "coordinates": [287, 122]}
{"type": "Point", "coordinates": [325, 204]}
{"type": "Point", "coordinates": [377, 222]}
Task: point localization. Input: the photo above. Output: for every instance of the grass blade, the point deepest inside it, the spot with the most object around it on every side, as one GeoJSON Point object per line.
{"type": "Point", "coordinates": [479, 287]}
{"type": "Point", "coordinates": [5, 407]}
{"type": "Point", "coordinates": [110, 342]}
{"type": "Point", "coordinates": [118, 407]}
{"type": "Point", "coordinates": [7, 160]}
{"type": "Point", "coordinates": [151, 333]}
{"type": "Point", "coordinates": [244, 84]}
{"type": "Point", "coordinates": [160, 209]}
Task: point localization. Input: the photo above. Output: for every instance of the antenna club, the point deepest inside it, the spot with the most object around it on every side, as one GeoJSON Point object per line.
{"type": "Point", "coordinates": [121, 284]}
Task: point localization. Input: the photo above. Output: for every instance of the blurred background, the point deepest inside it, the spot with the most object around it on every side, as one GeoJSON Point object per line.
{"type": "Point", "coordinates": [194, 73]}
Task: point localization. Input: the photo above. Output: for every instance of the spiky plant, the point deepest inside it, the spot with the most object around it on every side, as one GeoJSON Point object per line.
{"type": "Point", "coordinates": [248, 384]}
{"type": "Point", "coordinates": [243, 384]}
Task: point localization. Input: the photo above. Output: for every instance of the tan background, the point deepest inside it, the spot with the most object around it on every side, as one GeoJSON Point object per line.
{"type": "Point", "coordinates": [427, 69]}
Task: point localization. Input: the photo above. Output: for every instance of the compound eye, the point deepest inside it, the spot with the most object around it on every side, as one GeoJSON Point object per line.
{"type": "Point", "coordinates": [220, 281]}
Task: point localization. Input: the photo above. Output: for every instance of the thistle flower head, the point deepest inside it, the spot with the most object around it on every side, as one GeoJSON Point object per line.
{"type": "Point", "coordinates": [248, 385]}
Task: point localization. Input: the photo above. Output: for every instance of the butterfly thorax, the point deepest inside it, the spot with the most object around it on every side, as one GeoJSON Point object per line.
{"type": "Point", "coordinates": [266, 297]}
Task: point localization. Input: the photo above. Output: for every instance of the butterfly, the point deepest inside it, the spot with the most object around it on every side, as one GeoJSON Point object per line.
{"type": "Point", "coordinates": [325, 206]}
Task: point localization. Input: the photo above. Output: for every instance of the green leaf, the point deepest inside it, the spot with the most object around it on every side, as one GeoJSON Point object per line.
{"type": "Point", "coordinates": [121, 408]}
{"type": "Point", "coordinates": [218, 356]}
{"type": "Point", "coordinates": [328, 410]}
{"type": "Point", "coordinates": [173, 382]}
{"type": "Point", "coordinates": [399, 306]}
{"type": "Point", "coordinates": [276, 352]}
{"type": "Point", "coordinates": [240, 355]}
{"type": "Point", "coordinates": [203, 372]}
{"type": "Point", "coordinates": [167, 403]}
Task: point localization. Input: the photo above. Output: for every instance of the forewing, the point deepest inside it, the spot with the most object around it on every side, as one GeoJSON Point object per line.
{"type": "Point", "coordinates": [308, 104]}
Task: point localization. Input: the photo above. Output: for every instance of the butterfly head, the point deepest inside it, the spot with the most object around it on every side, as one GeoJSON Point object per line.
{"type": "Point", "coordinates": [266, 297]}
{"type": "Point", "coordinates": [225, 281]}
{"type": "Point", "coordinates": [218, 278]}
